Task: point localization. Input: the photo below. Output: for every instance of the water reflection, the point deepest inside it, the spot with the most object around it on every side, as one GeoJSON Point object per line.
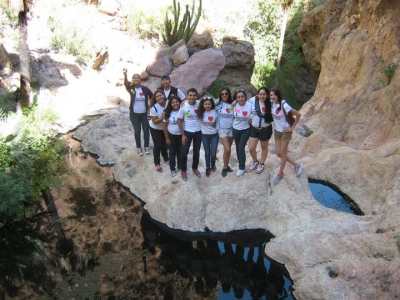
{"type": "Point", "coordinates": [329, 196]}
{"type": "Point", "coordinates": [215, 265]}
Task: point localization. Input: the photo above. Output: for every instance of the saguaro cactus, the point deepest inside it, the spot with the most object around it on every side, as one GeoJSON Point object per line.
{"type": "Point", "coordinates": [175, 30]}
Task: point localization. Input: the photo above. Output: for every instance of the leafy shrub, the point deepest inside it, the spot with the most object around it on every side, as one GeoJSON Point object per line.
{"type": "Point", "coordinates": [70, 39]}
{"type": "Point", "coordinates": [29, 162]}
{"type": "Point", "coordinates": [216, 86]}
{"type": "Point", "coordinates": [389, 71]}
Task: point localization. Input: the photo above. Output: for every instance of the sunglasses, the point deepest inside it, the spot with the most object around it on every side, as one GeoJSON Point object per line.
{"type": "Point", "coordinates": [208, 98]}
{"type": "Point", "coordinates": [239, 90]}
{"type": "Point", "coordinates": [224, 94]}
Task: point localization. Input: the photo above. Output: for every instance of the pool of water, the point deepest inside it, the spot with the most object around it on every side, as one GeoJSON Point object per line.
{"type": "Point", "coordinates": [329, 197]}
{"type": "Point", "coordinates": [228, 266]}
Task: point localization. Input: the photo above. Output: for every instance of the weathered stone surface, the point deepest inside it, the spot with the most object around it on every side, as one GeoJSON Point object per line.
{"type": "Point", "coordinates": [239, 54]}
{"type": "Point", "coordinates": [200, 71]}
{"type": "Point", "coordinates": [181, 56]}
{"type": "Point", "coordinates": [200, 40]}
{"type": "Point", "coordinates": [160, 66]}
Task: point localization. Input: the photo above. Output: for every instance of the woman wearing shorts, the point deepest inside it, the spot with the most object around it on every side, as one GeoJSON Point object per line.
{"type": "Point", "coordinates": [260, 129]}
{"type": "Point", "coordinates": [283, 132]}
{"type": "Point", "coordinates": [225, 112]}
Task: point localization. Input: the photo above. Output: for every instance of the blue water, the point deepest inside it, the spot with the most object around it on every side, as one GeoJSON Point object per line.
{"type": "Point", "coordinates": [330, 198]}
{"type": "Point", "coordinates": [277, 285]}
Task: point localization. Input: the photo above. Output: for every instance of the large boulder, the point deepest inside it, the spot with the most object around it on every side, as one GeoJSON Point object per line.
{"type": "Point", "coordinates": [200, 71]}
{"type": "Point", "coordinates": [200, 40]}
{"type": "Point", "coordinates": [239, 64]}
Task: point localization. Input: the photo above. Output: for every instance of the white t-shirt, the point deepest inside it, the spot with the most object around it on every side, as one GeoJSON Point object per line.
{"type": "Point", "coordinates": [189, 115]}
{"type": "Point", "coordinates": [180, 94]}
{"type": "Point", "coordinates": [241, 116]}
{"type": "Point", "coordinates": [208, 123]}
{"type": "Point", "coordinates": [156, 111]}
{"type": "Point", "coordinates": [173, 127]}
{"type": "Point", "coordinates": [225, 112]}
{"type": "Point", "coordinates": [255, 121]}
{"type": "Point", "coordinates": [139, 105]}
{"type": "Point", "coordinates": [279, 116]}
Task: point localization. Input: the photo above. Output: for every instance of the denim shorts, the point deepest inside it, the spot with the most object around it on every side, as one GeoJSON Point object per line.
{"type": "Point", "coordinates": [263, 134]}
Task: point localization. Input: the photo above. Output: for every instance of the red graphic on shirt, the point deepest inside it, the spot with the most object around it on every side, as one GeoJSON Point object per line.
{"type": "Point", "coordinates": [277, 111]}
{"type": "Point", "coordinates": [141, 94]}
{"type": "Point", "coordinates": [195, 111]}
{"type": "Point", "coordinates": [228, 110]}
{"type": "Point", "coordinates": [263, 109]}
{"type": "Point", "coordinates": [210, 118]}
{"type": "Point", "coordinates": [244, 113]}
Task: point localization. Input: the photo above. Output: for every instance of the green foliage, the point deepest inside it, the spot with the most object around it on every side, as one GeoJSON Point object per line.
{"type": "Point", "coordinates": [70, 39]}
{"type": "Point", "coordinates": [8, 102]}
{"type": "Point", "coordinates": [389, 71]}
{"type": "Point", "coordinates": [176, 29]}
{"type": "Point", "coordinates": [216, 86]}
{"type": "Point", "coordinates": [21, 249]}
{"type": "Point", "coordinates": [263, 30]}
{"type": "Point", "coordinates": [11, 15]}
{"type": "Point", "coordinates": [147, 26]}
{"type": "Point", "coordinates": [29, 163]}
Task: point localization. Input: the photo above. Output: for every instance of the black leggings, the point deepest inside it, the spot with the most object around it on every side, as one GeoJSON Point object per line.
{"type": "Point", "coordinates": [160, 147]}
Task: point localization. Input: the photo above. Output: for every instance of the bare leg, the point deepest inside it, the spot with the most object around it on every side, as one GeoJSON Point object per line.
{"type": "Point", "coordinates": [264, 151]}
{"type": "Point", "coordinates": [227, 143]}
{"type": "Point", "coordinates": [252, 148]}
{"type": "Point", "coordinates": [281, 151]}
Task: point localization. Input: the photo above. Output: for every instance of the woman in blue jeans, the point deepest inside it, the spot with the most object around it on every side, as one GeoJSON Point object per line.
{"type": "Point", "coordinates": [209, 132]}
{"type": "Point", "coordinates": [139, 103]}
{"type": "Point", "coordinates": [241, 127]}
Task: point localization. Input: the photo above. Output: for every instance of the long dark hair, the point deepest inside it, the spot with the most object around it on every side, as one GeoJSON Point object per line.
{"type": "Point", "coordinates": [229, 100]}
{"type": "Point", "coordinates": [268, 115]}
{"type": "Point", "coordinates": [278, 94]}
{"type": "Point", "coordinates": [169, 108]}
{"type": "Point", "coordinates": [153, 99]}
{"type": "Point", "coordinates": [201, 110]}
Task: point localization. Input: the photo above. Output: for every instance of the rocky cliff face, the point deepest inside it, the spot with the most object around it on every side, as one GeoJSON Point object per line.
{"type": "Point", "coordinates": [355, 145]}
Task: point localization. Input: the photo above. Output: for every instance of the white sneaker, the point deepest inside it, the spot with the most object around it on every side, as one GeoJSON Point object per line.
{"type": "Point", "coordinates": [139, 151]}
{"type": "Point", "coordinates": [147, 150]}
{"type": "Point", "coordinates": [253, 165]}
{"type": "Point", "coordinates": [240, 172]}
{"type": "Point", "coordinates": [260, 168]}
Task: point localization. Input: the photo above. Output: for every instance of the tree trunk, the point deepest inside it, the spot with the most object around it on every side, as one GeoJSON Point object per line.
{"type": "Point", "coordinates": [24, 57]}
{"type": "Point", "coordinates": [281, 40]}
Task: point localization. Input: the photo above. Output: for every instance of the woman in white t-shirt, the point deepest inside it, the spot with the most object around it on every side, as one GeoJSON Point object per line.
{"type": "Point", "coordinates": [283, 131]}
{"type": "Point", "coordinates": [158, 104]}
{"type": "Point", "coordinates": [261, 128]}
{"type": "Point", "coordinates": [241, 127]}
{"type": "Point", "coordinates": [209, 135]}
{"type": "Point", "coordinates": [172, 133]}
{"type": "Point", "coordinates": [225, 116]}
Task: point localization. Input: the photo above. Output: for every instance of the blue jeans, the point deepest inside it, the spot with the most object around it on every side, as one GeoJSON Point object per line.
{"type": "Point", "coordinates": [140, 121]}
{"type": "Point", "coordinates": [160, 146]}
{"type": "Point", "coordinates": [241, 137]}
{"type": "Point", "coordinates": [196, 138]}
{"type": "Point", "coordinates": [175, 151]}
{"type": "Point", "coordinates": [210, 144]}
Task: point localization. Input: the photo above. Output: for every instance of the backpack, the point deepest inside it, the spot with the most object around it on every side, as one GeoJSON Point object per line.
{"type": "Point", "coordinates": [289, 116]}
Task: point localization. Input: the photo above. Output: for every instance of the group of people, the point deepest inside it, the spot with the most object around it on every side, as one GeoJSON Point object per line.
{"type": "Point", "coordinates": [179, 121]}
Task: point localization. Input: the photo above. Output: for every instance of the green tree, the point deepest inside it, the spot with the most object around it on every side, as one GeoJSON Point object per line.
{"type": "Point", "coordinates": [29, 162]}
